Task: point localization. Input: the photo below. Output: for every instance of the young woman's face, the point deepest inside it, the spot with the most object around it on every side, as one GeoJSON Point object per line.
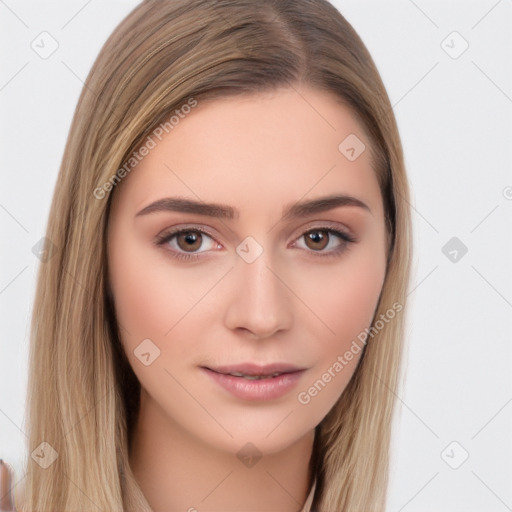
{"type": "Point", "coordinates": [223, 259]}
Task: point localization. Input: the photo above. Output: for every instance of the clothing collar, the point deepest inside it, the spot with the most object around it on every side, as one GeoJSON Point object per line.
{"type": "Point", "coordinates": [309, 499]}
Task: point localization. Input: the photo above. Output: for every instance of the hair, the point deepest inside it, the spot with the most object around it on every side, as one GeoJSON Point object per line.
{"type": "Point", "coordinates": [82, 395]}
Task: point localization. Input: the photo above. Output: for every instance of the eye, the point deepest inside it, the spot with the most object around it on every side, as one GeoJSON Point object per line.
{"type": "Point", "coordinates": [186, 243]}
{"type": "Point", "coordinates": [325, 241]}
{"type": "Point", "coordinates": [190, 243]}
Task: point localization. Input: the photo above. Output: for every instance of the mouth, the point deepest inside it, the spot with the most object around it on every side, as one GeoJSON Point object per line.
{"type": "Point", "coordinates": [253, 377]}
{"type": "Point", "coordinates": [250, 371]}
{"type": "Point", "coordinates": [251, 382]}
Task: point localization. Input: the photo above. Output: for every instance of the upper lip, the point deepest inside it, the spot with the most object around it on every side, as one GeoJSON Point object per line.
{"type": "Point", "coordinates": [252, 369]}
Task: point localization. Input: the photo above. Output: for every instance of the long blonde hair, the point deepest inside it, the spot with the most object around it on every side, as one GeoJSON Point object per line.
{"type": "Point", "coordinates": [82, 396]}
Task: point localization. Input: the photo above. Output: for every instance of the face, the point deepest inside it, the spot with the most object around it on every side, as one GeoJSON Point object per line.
{"type": "Point", "coordinates": [270, 280]}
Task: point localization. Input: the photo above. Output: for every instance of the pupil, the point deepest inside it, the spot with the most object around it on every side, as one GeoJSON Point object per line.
{"type": "Point", "coordinates": [190, 238]}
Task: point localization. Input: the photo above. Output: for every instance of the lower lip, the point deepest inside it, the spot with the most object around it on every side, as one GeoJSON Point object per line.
{"type": "Point", "coordinates": [261, 389]}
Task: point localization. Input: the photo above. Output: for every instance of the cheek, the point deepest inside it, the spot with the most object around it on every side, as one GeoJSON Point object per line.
{"type": "Point", "coordinates": [146, 306]}
{"type": "Point", "coordinates": [154, 298]}
{"type": "Point", "coordinates": [350, 300]}
{"type": "Point", "coordinates": [344, 296]}
{"type": "Point", "coordinates": [345, 300]}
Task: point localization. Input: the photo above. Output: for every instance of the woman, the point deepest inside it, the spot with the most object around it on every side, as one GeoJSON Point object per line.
{"type": "Point", "coordinates": [220, 324]}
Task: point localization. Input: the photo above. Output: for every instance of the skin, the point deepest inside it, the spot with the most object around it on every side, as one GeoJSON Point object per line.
{"type": "Point", "coordinates": [258, 154]}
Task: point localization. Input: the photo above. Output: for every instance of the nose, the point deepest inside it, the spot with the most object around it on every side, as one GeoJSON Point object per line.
{"type": "Point", "coordinates": [259, 301]}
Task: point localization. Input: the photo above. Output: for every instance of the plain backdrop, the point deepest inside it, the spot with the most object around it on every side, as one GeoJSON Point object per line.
{"type": "Point", "coordinates": [447, 69]}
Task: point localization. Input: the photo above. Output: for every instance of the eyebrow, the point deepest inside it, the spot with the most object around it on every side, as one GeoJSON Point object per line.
{"type": "Point", "coordinates": [222, 211]}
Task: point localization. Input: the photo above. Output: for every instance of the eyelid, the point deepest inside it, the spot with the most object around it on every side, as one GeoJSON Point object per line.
{"type": "Point", "coordinates": [177, 228]}
{"type": "Point", "coordinates": [167, 234]}
{"type": "Point", "coordinates": [339, 230]}
{"type": "Point", "coordinates": [325, 225]}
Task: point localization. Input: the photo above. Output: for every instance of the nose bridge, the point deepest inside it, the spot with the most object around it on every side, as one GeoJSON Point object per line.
{"type": "Point", "coordinates": [260, 301]}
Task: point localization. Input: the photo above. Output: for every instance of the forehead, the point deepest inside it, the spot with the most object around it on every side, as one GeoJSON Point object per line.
{"type": "Point", "coordinates": [274, 147]}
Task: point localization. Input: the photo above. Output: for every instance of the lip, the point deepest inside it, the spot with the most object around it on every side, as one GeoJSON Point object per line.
{"type": "Point", "coordinates": [255, 369]}
{"type": "Point", "coordinates": [268, 388]}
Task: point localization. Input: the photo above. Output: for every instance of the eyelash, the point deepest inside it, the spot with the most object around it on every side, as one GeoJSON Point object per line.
{"type": "Point", "coordinates": [345, 237]}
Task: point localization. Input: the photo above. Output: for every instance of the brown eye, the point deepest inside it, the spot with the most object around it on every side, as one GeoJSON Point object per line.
{"type": "Point", "coordinates": [189, 240]}
{"type": "Point", "coordinates": [317, 240]}
{"type": "Point", "coordinates": [187, 243]}
{"type": "Point", "coordinates": [324, 241]}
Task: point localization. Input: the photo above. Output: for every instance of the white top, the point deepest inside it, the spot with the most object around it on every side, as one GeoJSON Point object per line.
{"type": "Point", "coordinates": [309, 499]}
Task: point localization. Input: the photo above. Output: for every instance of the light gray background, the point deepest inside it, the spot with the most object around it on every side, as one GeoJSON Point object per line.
{"type": "Point", "coordinates": [454, 116]}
